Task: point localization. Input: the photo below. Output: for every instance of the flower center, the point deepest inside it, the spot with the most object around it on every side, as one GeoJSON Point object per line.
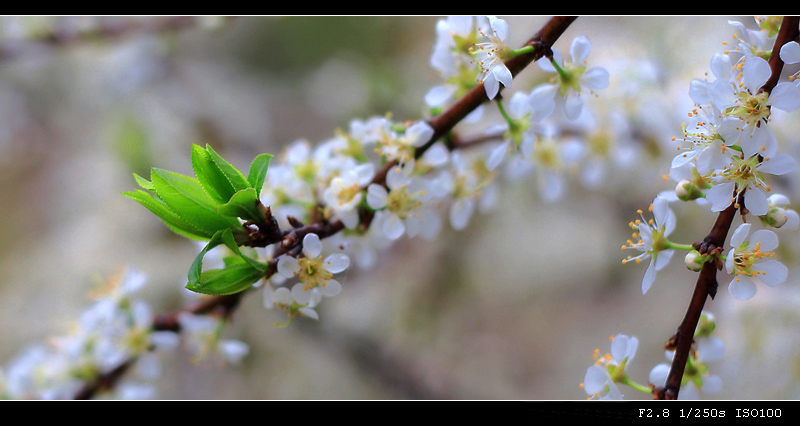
{"type": "Point", "coordinates": [546, 154]}
{"type": "Point", "coordinates": [568, 76]}
{"type": "Point", "coordinates": [400, 202]}
{"type": "Point", "coordinates": [312, 274]}
{"type": "Point", "coordinates": [347, 193]}
{"type": "Point", "coordinates": [744, 172]}
{"type": "Point", "coordinates": [744, 259]}
{"type": "Point", "coordinates": [750, 108]}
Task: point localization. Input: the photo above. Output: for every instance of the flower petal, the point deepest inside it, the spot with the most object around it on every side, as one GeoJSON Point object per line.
{"type": "Point", "coordinates": [710, 349]}
{"type": "Point", "coordinates": [300, 294]}
{"type": "Point", "coordinates": [722, 94]}
{"type": "Point", "coordinates": [790, 52]}
{"type": "Point", "coordinates": [761, 141]}
{"type": "Point", "coordinates": [595, 78]}
{"type": "Point", "coordinates": [729, 261]}
{"type": "Point", "coordinates": [491, 85]}
{"type": "Point", "coordinates": [460, 213]}
{"type": "Point", "coordinates": [660, 211]}
{"type": "Point", "coordinates": [658, 375]}
{"type": "Point", "coordinates": [595, 379]}
{"type": "Point", "coordinates": [502, 74]}
{"type": "Point", "coordinates": [756, 72]}
{"type": "Point", "coordinates": [377, 196]}
{"type": "Point", "coordinates": [573, 105]}
{"type": "Point", "coordinates": [288, 266]}
{"type": "Point", "coordinates": [778, 164]}
{"type": "Point", "coordinates": [793, 220]}
{"type": "Point", "coordinates": [579, 49]}
{"type": "Point", "coordinates": [774, 272]}
{"type": "Point", "coordinates": [739, 235]}
{"type": "Point", "coordinates": [496, 155]}
{"type": "Point", "coordinates": [720, 196]}
{"type": "Point", "coordinates": [337, 262]}
{"type": "Point", "coordinates": [785, 96]}
{"type": "Point", "coordinates": [330, 288]}
{"type": "Point", "coordinates": [756, 202]}
{"type": "Point", "coordinates": [649, 277]}
{"type": "Point", "coordinates": [721, 66]}
{"type": "Point", "coordinates": [767, 239]}
{"type": "Point", "coordinates": [393, 227]}
{"type": "Point", "coordinates": [663, 258]}
{"type": "Point", "coordinates": [312, 246]}
{"type": "Point", "coordinates": [742, 287]}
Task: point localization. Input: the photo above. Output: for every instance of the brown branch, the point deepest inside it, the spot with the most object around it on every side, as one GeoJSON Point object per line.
{"type": "Point", "coordinates": [706, 285]}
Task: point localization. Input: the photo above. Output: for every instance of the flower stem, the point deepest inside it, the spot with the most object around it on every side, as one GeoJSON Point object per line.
{"type": "Point", "coordinates": [676, 246]}
{"type": "Point", "coordinates": [522, 50]}
{"type": "Point", "coordinates": [505, 114]}
{"type": "Point", "coordinates": [642, 388]}
{"type": "Point", "coordinates": [561, 72]}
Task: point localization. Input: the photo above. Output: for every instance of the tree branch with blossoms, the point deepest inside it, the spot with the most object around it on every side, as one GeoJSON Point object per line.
{"type": "Point", "coordinates": [292, 223]}
{"type": "Point", "coordinates": [262, 229]}
{"type": "Point", "coordinates": [712, 244]}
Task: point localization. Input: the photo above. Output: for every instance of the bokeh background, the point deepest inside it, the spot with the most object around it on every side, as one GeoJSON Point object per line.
{"type": "Point", "coordinates": [510, 308]}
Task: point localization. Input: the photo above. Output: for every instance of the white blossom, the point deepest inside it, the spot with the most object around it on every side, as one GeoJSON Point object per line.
{"type": "Point", "coordinates": [751, 262]}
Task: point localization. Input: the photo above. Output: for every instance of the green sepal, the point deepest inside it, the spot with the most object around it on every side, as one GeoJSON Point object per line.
{"type": "Point", "coordinates": [174, 222]}
{"type": "Point", "coordinates": [187, 198]}
{"type": "Point", "coordinates": [258, 171]}
{"type": "Point", "coordinates": [243, 204]}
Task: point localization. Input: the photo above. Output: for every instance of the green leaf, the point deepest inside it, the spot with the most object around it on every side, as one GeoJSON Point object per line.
{"type": "Point", "coordinates": [144, 183]}
{"type": "Point", "coordinates": [169, 217]}
{"type": "Point", "coordinates": [258, 171]}
{"type": "Point", "coordinates": [195, 271]}
{"type": "Point", "coordinates": [243, 204]}
{"type": "Point", "coordinates": [210, 176]}
{"type": "Point", "coordinates": [225, 237]}
{"type": "Point", "coordinates": [187, 198]}
{"type": "Point", "coordinates": [232, 279]}
{"type": "Point", "coordinates": [230, 242]}
{"type": "Point", "coordinates": [234, 176]}
{"type": "Point", "coordinates": [235, 277]}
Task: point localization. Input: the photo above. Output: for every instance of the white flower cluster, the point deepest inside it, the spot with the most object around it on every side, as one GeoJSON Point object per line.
{"type": "Point", "coordinates": [697, 379]}
{"type": "Point", "coordinates": [116, 331]}
{"type": "Point", "coordinates": [111, 332]}
{"type": "Point", "coordinates": [374, 179]}
{"type": "Point", "coordinates": [726, 156]}
{"type": "Point", "coordinates": [729, 151]}
{"type": "Point", "coordinates": [601, 379]}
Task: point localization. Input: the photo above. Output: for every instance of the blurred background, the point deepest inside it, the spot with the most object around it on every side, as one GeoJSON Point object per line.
{"type": "Point", "coordinates": [510, 308]}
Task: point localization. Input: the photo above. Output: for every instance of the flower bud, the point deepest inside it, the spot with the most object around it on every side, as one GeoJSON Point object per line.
{"type": "Point", "coordinates": [775, 217]}
{"type": "Point", "coordinates": [687, 191]}
{"type": "Point", "coordinates": [693, 261]}
{"type": "Point", "coordinates": [705, 326]}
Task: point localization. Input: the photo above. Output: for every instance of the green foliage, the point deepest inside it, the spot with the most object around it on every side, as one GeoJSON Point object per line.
{"type": "Point", "coordinates": [209, 207]}
{"type": "Point", "coordinates": [238, 274]}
